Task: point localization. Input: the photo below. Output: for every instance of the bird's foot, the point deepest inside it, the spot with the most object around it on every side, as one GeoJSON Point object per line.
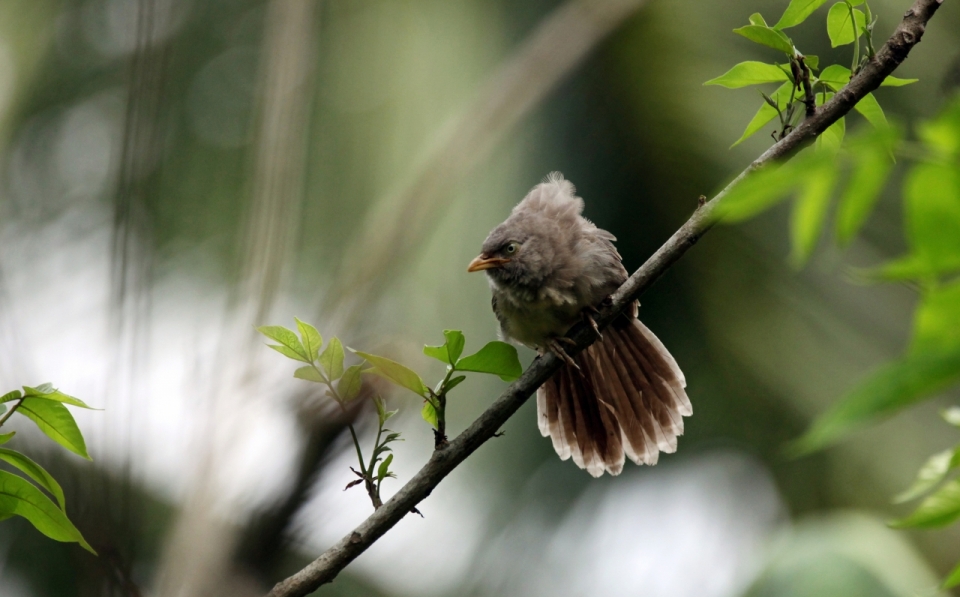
{"type": "Point", "coordinates": [588, 313]}
{"type": "Point", "coordinates": [554, 345]}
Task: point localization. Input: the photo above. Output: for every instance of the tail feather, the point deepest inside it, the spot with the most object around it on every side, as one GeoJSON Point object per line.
{"type": "Point", "coordinates": [627, 401]}
{"type": "Point", "coordinates": [646, 401]}
{"type": "Point", "coordinates": [667, 387]}
{"type": "Point", "coordinates": [640, 447]}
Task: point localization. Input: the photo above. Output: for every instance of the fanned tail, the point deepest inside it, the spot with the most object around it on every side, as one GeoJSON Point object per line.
{"type": "Point", "coordinates": [627, 400]}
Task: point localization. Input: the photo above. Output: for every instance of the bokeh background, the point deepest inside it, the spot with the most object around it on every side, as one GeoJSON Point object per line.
{"type": "Point", "coordinates": [175, 172]}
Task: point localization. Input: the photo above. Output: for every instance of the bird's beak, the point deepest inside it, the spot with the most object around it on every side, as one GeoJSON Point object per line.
{"type": "Point", "coordinates": [482, 262]}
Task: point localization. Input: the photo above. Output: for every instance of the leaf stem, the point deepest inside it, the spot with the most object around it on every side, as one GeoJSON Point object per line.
{"type": "Point", "coordinates": [376, 444]}
{"type": "Point", "coordinates": [856, 40]}
{"type": "Point", "coordinates": [12, 410]}
{"type": "Point", "coordinates": [440, 434]}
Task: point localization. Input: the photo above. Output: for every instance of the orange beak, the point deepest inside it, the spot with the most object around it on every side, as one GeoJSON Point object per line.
{"type": "Point", "coordinates": [481, 263]}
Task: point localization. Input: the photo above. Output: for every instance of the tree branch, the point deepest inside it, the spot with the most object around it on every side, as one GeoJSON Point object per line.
{"type": "Point", "coordinates": [325, 568]}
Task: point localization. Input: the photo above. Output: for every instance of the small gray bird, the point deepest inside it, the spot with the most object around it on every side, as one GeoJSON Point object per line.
{"type": "Point", "coordinates": [549, 268]}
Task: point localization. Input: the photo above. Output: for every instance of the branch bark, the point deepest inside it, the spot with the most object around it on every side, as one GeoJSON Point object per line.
{"type": "Point", "coordinates": [325, 568]}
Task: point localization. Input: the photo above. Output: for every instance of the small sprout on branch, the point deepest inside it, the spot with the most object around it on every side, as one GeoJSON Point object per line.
{"type": "Point", "coordinates": [343, 386]}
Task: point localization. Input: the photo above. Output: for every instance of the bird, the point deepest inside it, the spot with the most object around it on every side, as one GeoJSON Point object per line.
{"type": "Point", "coordinates": [549, 268]}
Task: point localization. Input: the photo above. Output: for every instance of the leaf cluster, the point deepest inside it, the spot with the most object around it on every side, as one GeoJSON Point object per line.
{"type": "Point", "coordinates": [45, 406]}
{"type": "Point", "coordinates": [931, 205]}
{"type": "Point", "coordinates": [856, 173]}
{"type": "Point", "coordinates": [343, 385]}
{"type": "Point", "coordinates": [845, 25]}
{"type": "Point", "coordinates": [495, 358]}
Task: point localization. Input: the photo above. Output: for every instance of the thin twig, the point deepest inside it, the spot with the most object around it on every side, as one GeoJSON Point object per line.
{"type": "Point", "coordinates": [809, 99]}
{"type": "Point", "coordinates": [326, 567]}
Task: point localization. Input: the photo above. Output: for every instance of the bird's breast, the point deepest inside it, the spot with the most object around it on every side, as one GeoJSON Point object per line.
{"type": "Point", "coordinates": [531, 317]}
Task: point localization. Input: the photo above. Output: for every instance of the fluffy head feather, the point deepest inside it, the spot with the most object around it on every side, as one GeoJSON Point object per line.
{"type": "Point", "coordinates": [553, 250]}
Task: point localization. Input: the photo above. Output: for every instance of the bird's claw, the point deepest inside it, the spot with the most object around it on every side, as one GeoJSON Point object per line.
{"type": "Point", "coordinates": [554, 346]}
{"type": "Point", "coordinates": [588, 314]}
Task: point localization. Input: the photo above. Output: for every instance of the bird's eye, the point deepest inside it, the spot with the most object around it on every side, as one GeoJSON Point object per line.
{"type": "Point", "coordinates": [511, 248]}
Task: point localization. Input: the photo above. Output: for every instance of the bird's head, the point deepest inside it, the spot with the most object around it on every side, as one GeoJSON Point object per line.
{"type": "Point", "coordinates": [537, 239]}
{"type": "Point", "coordinates": [517, 252]}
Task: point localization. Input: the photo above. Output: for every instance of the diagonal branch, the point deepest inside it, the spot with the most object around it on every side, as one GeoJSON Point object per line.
{"type": "Point", "coordinates": [325, 568]}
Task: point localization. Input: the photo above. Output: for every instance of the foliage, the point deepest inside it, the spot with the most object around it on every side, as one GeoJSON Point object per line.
{"type": "Point", "coordinates": [344, 385]}
{"type": "Point", "coordinates": [856, 172]}
{"type": "Point", "coordinates": [845, 25]}
{"type": "Point", "coordinates": [44, 405]}
{"type": "Point", "coordinates": [942, 506]}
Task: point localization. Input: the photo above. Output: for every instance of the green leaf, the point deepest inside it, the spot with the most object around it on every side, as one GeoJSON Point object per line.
{"type": "Point", "coordinates": [19, 497]}
{"type": "Point", "coordinates": [14, 395]}
{"type": "Point", "coordinates": [450, 350]}
{"type": "Point", "coordinates": [933, 471]}
{"type": "Point", "coordinates": [813, 62]}
{"type": "Point", "coordinates": [938, 510]}
{"type": "Point", "coordinates": [309, 373]}
{"type": "Point", "coordinates": [3, 408]}
{"type": "Point", "coordinates": [56, 422]}
{"type": "Point", "coordinates": [437, 352]}
{"type": "Point", "coordinates": [757, 19]}
{"type": "Point", "coordinates": [892, 387]}
{"type": "Point", "coordinates": [932, 204]}
{"type": "Point", "coordinates": [797, 12]}
{"type": "Point", "coordinates": [429, 413]}
{"type": "Point", "coordinates": [839, 27]}
{"type": "Point", "coordinates": [871, 168]}
{"type": "Point", "coordinates": [950, 415]}
{"type": "Point", "coordinates": [764, 188]}
{"type": "Point", "coordinates": [835, 76]}
{"type": "Point", "coordinates": [48, 393]}
{"type": "Point", "coordinates": [869, 108]}
{"type": "Point", "coordinates": [750, 73]}
{"type": "Point", "coordinates": [384, 415]}
{"type": "Point", "coordinates": [454, 382]}
{"type": "Point", "coordinates": [953, 579]}
{"type": "Point", "coordinates": [350, 382]}
{"type": "Point", "coordinates": [312, 340]}
{"type": "Point", "coordinates": [895, 82]}
{"type": "Point", "coordinates": [766, 113]}
{"type": "Point", "coordinates": [35, 472]}
{"type": "Point", "coordinates": [497, 358]}
{"type": "Point", "coordinates": [831, 139]}
{"type": "Point", "coordinates": [331, 359]}
{"type": "Point", "coordinates": [5, 437]}
{"type": "Point", "coordinates": [766, 36]}
{"type": "Point", "coordinates": [936, 325]}
{"type": "Point", "coordinates": [810, 210]}
{"type": "Point", "coordinates": [290, 345]}
{"type": "Point", "coordinates": [395, 372]}
{"type": "Point", "coordinates": [455, 343]}
{"type": "Point", "coordinates": [384, 467]}
{"type": "Point", "coordinates": [289, 353]}
{"type": "Point", "coordinates": [941, 136]}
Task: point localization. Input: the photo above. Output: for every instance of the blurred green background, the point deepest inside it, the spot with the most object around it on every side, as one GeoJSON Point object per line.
{"type": "Point", "coordinates": [175, 172]}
